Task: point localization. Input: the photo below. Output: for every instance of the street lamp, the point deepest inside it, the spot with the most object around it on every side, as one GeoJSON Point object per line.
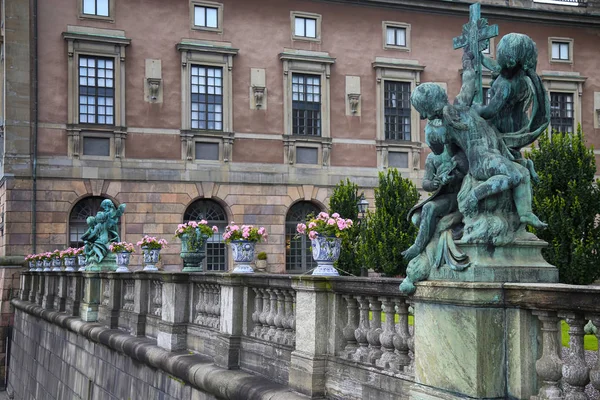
{"type": "Point", "coordinates": [362, 205]}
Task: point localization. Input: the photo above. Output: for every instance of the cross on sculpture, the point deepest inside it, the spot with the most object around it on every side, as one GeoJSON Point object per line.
{"type": "Point", "coordinates": [475, 36]}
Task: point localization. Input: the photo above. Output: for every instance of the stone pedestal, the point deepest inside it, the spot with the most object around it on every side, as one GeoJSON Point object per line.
{"type": "Point", "coordinates": [108, 264]}
{"type": "Point", "coordinates": [172, 329]}
{"type": "Point", "coordinates": [521, 261]}
{"type": "Point", "coordinates": [227, 348]}
{"type": "Point", "coordinates": [91, 297]}
{"type": "Point", "coordinates": [108, 309]}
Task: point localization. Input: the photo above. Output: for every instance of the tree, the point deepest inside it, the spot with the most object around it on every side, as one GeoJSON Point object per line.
{"type": "Point", "coordinates": [568, 199]}
{"type": "Point", "coordinates": [387, 232]}
{"type": "Point", "coordinates": [344, 201]}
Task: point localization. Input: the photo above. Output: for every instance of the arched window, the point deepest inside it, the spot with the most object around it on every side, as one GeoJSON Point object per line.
{"type": "Point", "coordinates": [216, 251]}
{"type": "Point", "coordinates": [87, 207]}
{"type": "Point", "coordinates": [298, 257]}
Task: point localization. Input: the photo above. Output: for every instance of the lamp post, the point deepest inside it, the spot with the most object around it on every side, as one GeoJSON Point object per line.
{"type": "Point", "coordinates": [363, 206]}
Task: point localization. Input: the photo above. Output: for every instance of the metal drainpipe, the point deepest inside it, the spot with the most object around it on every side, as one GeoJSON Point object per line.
{"type": "Point", "coordinates": [35, 127]}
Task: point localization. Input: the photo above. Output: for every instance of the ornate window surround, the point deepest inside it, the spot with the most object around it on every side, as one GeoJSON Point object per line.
{"type": "Point", "coordinates": [317, 17]}
{"type": "Point", "coordinates": [215, 54]}
{"type": "Point", "coordinates": [209, 4]}
{"type": "Point", "coordinates": [571, 44]}
{"type": "Point", "coordinates": [399, 70]}
{"type": "Point", "coordinates": [566, 82]}
{"type": "Point", "coordinates": [306, 62]}
{"type": "Point", "coordinates": [102, 43]}
{"type": "Point", "coordinates": [393, 24]}
{"type": "Point", "coordinates": [109, 18]}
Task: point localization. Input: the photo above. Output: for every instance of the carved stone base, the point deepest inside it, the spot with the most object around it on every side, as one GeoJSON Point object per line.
{"type": "Point", "coordinates": [109, 264]}
{"type": "Point", "coordinates": [521, 261]}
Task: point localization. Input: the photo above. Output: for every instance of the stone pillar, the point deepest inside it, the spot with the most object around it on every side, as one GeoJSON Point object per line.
{"type": "Point", "coordinates": [35, 279]}
{"type": "Point", "coordinates": [25, 285]}
{"type": "Point", "coordinates": [108, 309]}
{"type": "Point", "coordinates": [39, 290]}
{"type": "Point", "coordinates": [49, 290]}
{"type": "Point", "coordinates": [137, 318]}
{"type": "Point", "coordinates": [74, 291]}
{"type": "Point", "coordinates": [91, 296]}
{"type": "Point", "coordinates": [172, 329]}
{"type": "Point", "coordinates": [60, 297]}
{"type": "Point", "coordinates": [227, 348]}
{"type": "Point", "coordinates": [309, 359]}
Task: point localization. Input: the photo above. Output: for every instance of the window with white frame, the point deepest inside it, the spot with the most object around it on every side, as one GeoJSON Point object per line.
{"type": "Point", "coordinates": [560, 51]}
{"type": "Point", "coordinates": [207, 17]}
{"type": "Point", "coordinates": [100, 8]}
{"type": "Point", "coordinates": [396, 35]}
{"type": "Point", "coordinates": [206, 97]}
{"type": "Point", "coordinates": [306, 26]}
{"type": "Point", "coordinates": [96, 90]}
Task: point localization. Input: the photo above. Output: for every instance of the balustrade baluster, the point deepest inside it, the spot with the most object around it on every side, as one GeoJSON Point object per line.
{"type": "Point", "coordinates": [272, 314]}
{"type": "Point", "coordinates": [203, 303]}
{"type": "Point", "coordinates": [290, 318]}
{"type": "Point", "coordinates": [351, 326]}
{"type": "Point", "coordinates": [280, 317]}
{"type": "Point", "coordinates": [361, 332]}
{"type": "Point", "coordinates": [576, 372]}
{"type": "Point", "coordinates": [549, 366]}
{"type": "Point", "coordinates": [410, 343]}
{"type": "Point", "coordinates": [402, 337]}
{"type": "Point", "coordinates": [216, 312]}
{"type": "Point", "coordinates": [595, 372]}
{"type": "Point", "coordinates": [389, 359]}
{"type": "Point", "coordinates": [373, 336]}
{"type": "Point", "coordinates": [257, 311]}
{"type": "Point", "coordinates": [198, 305]}
{"type": "Point", "coordinates": [265, 312]}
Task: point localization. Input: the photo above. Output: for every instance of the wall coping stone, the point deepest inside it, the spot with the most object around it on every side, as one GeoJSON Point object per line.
{"type": "Point", "coordinates": [194, 369]}
{"type": "Point", "coordinates": [12, 262]}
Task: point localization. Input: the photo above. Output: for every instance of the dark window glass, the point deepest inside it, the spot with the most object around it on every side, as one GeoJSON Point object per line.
{"type": "Point", "coordinates": [561, 112]}
{"type": "Point", "coordinates": [207, 151]}
{"type": "Point", "coordinates": [397, 110]}
{"type": "Point", "coordinates": [93, 146]}
{"type": "Point", "coordinates": [207, 98]}
{"type": "Point", "coordinates": [396, 36]}
{"type": "Point", "coordinates": [298, 256]}
{"type": "Point", "coordinates": [213, 213]}
{"type": "Point", "coordinates": [398, 159]}
{"type": "Point", "coordinates": [307, 155]}
{"type": "Point", "coordinates": [87, 207]}
{"type": "Point", "coordinates": [306, 105]}
{"type": "Point", "coordinates": [96, 90]}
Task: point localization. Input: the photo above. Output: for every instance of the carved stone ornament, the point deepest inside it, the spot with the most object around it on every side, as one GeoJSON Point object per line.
{"type": "Point", "coordinates": [259, 94]}
{"type": "Point", "coordinates": [354, 100]}
{"type": "Point", "coordinates": [153, 87]}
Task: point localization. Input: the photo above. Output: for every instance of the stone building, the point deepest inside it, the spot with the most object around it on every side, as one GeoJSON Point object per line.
{"type": "Point", "coordinates": [239, 110]}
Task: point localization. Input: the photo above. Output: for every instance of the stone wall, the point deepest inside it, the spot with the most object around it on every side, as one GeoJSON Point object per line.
{"type": "Point", "coordinates": [10, 272]}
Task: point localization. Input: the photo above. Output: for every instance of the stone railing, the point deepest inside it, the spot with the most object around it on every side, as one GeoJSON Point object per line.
{"type": "Point", "coordinates": [348, 338]}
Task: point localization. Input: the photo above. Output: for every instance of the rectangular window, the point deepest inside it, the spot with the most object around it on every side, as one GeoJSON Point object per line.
{"type": "Point", "coordinates": [305, 27]}
{"type": "Point", "coordinates": [561, 112]}
{"type": "Point", "coordinates": [306, 105]}
{"type": "Point", "coordinates": [96, 7]}
{"type": "Point", "coordinates": [95, 146]}
{"type": "Point", "coordinates": [396, 36]}
{"type": "Point", "coordinates": [207, 151]}
{"type": "Point", "coordinates": [206, 17]}
{"type": "Point", "coordinates": [96, 90]}
{"type": "Point", "coordinates": [398, 159]}
{"type": "Point", "coordinates": [397, 110]}
{"type": "Point", "coordinates": [560, 51]}
{"type": "Point", "coordinates": [207, 97]}
{"type": "Point", "coordinates": [307, 155]}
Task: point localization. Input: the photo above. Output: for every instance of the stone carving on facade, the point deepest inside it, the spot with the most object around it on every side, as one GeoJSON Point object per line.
{"type": "Point", "coordinates": [153, 87]}
{"type": "Point", "coordinates": [259, 94]}
{"type": "Point", "coordinates": [481, 183]}
{"type": "Point", "coordinates": [354, 100]}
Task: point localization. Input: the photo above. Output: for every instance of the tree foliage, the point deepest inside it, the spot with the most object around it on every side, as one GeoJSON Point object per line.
{"type": "Point", "coordinates": [344, 201]}
{"type": "Point", "coordinates": [568, 199]}
{"type": "Point", "coordinates": [387, 233]}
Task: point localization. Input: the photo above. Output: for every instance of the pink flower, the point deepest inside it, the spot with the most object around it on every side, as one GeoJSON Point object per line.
{"type": "Point", "coordinates": [331, 221]}
{"type": "Point", "coordinates": [246, 234]}
{"type": "Point", "coordinates": [341, 224]}
{"type": "Point", "coordinates": [335, 215]}
{"type": "Point", "coordinates": [235, 228]}
{"type": "Point", "coordinates": [215, 229]}
{"type": "Point", "coordinates": [226, 235]}
{"type": "Point", "coordinates": [204, 222]}
{"type": "Point", "coordinates": [312, 235]}
{"type": "Point", "coordinates": [263, 231]}
{"type": "Point", "coordinates": [301, 228]}
{"type": "Point", "coordinates": [323, 215]}
{"type": "Point", "coordinates": [349, 222]}
{"type": "Point", "coordinates": [312, 225]}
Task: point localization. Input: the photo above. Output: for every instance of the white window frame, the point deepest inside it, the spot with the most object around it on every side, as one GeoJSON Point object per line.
{"type": "Point", "coordinates": [206, 4]}
{"type": "Point", "coordinates": [570, 42]}
{"type": "Point", "coordinates": [300, 14]}
{"type": "Point", "coordinates": [109, 18]}
{"type": "Point", "coordinates": [396, 25]}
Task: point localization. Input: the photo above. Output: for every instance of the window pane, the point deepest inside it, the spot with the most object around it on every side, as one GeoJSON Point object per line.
{"type": "Point", "coordinates": [102, 8]}
{"type": "Point", "coordinates": [307, 155]}
{"type": "Point", "coordinates": [397, 110]}
{"type": "Point", "coordinates": [211, 17]}
{"type": "Point", "coordinates": [398, 159]}
{"type": "Point", "coordinates": [390, 36]}
{"type": "Point", "coordinates": [199, 16]}
{"type": "Point", "coordinates": [89, 7]}
{"type": "Point", "coordinates": [207, 151]}
{"type": "Point", "coordinates": [555, 51]}
{"type": "Point", "coordinates": [401, 37]}
{"type": "Point", "coordinates": [311, 28]}
{"type": "Point", "coordinates": [206, 98]}
{"type": "Point", "coordinates": [300, 27]}
{"type": "Point", "coordinates": [564, 51]}
{"type": "Point", "coordinates": [96, 146]}
{"type": "Point", "coordinates": [306, 106]}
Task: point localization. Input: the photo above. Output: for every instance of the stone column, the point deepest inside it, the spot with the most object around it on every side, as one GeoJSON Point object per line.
{"type": "Point", "coordinates": [88, 309]}
{"type": "Point", "coordinates": [60, 298]}
{"type": "Point", "coordinates": [108, 309]}
{"type": "Point", "coordinates": [137, 318]}
{"type": "Point", "coordinates": [25, 285]}
{"type": "Point", "coordinates": [227, 348]}
{"type": "Point", "coordinates": [49, 290]}
{"type": "Point", "coordinates": [74, 282]}
{"type": "Point", "coordinates": [309, 359]}
{"type": "Point", "coordinates": [172, 329]}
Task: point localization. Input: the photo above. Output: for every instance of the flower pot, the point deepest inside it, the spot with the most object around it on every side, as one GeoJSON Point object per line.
{"type": "Point", "coordinates": [81, 262]}
{"type": "Point", "coordinates": [150, 258]}
{"type": "Point", "coordinates": [32, 265]}
{"type": "Point", "coordinates": [193, 251]}
{"type": "Point", "coordinates": [261, 265]}
{"type": "Point", "coordinates": [326, 251]}
{"type": "Point", "coordinates": [56, 263]}
{"type": "Point", "coordinates": [47, 265]}
{"type": "Point", "coordinates": [123, 261]}
{"type": "Point", "coordinates": [243, 255]}
{"type": "Point", "coordinates": [70, 264]}
{"type": "Point", "coordinates": [39, 264]}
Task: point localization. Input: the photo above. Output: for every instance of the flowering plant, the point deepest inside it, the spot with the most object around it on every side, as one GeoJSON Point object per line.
{"type": "Point", "coordinates": [324, 225]}
{"type": "Point", "coordinates": [245, 232]}
{"type": "Point", "coordinates": [70, 252]}
{"type": "Point", "coordinates": [152, 242]}
{"type": "Point", "coordinates": [31, 257]}
{"type": "Point", "coordinates": [55, 254]}
{"type": "Point", "coordinates": [79, 250]}
{"type": "Point", "coordinates": [47, 256]}
{"type": "Point", "coordinates": [190, 227]}
{"type": "Point", "coordinates": [120, 247]}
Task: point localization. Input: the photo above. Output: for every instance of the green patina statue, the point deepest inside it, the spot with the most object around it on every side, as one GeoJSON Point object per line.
{"type": "Point", "coordinates": [481, 182]}
{"type": "Point", "coordinates": [102, 230]}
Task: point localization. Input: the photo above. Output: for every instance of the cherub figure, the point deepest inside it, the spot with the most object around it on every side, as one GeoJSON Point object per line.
{"type": "Point", "coordinates": [102, 230]}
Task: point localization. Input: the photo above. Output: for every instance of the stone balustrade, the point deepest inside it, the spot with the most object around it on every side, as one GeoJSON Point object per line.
{"type": "Point", "coordinates": [342, 337]}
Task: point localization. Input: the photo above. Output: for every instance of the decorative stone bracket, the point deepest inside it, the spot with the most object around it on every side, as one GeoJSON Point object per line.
{"type": "Point", "coordinates": [154, 88]}
{"type": "Point", "coordinates": [354, 99]}
{"type": "Point", "coordinates": [259, 94]}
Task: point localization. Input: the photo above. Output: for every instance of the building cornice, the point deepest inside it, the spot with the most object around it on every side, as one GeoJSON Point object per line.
{"type": "Point", "coordinates": [539, 13]}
